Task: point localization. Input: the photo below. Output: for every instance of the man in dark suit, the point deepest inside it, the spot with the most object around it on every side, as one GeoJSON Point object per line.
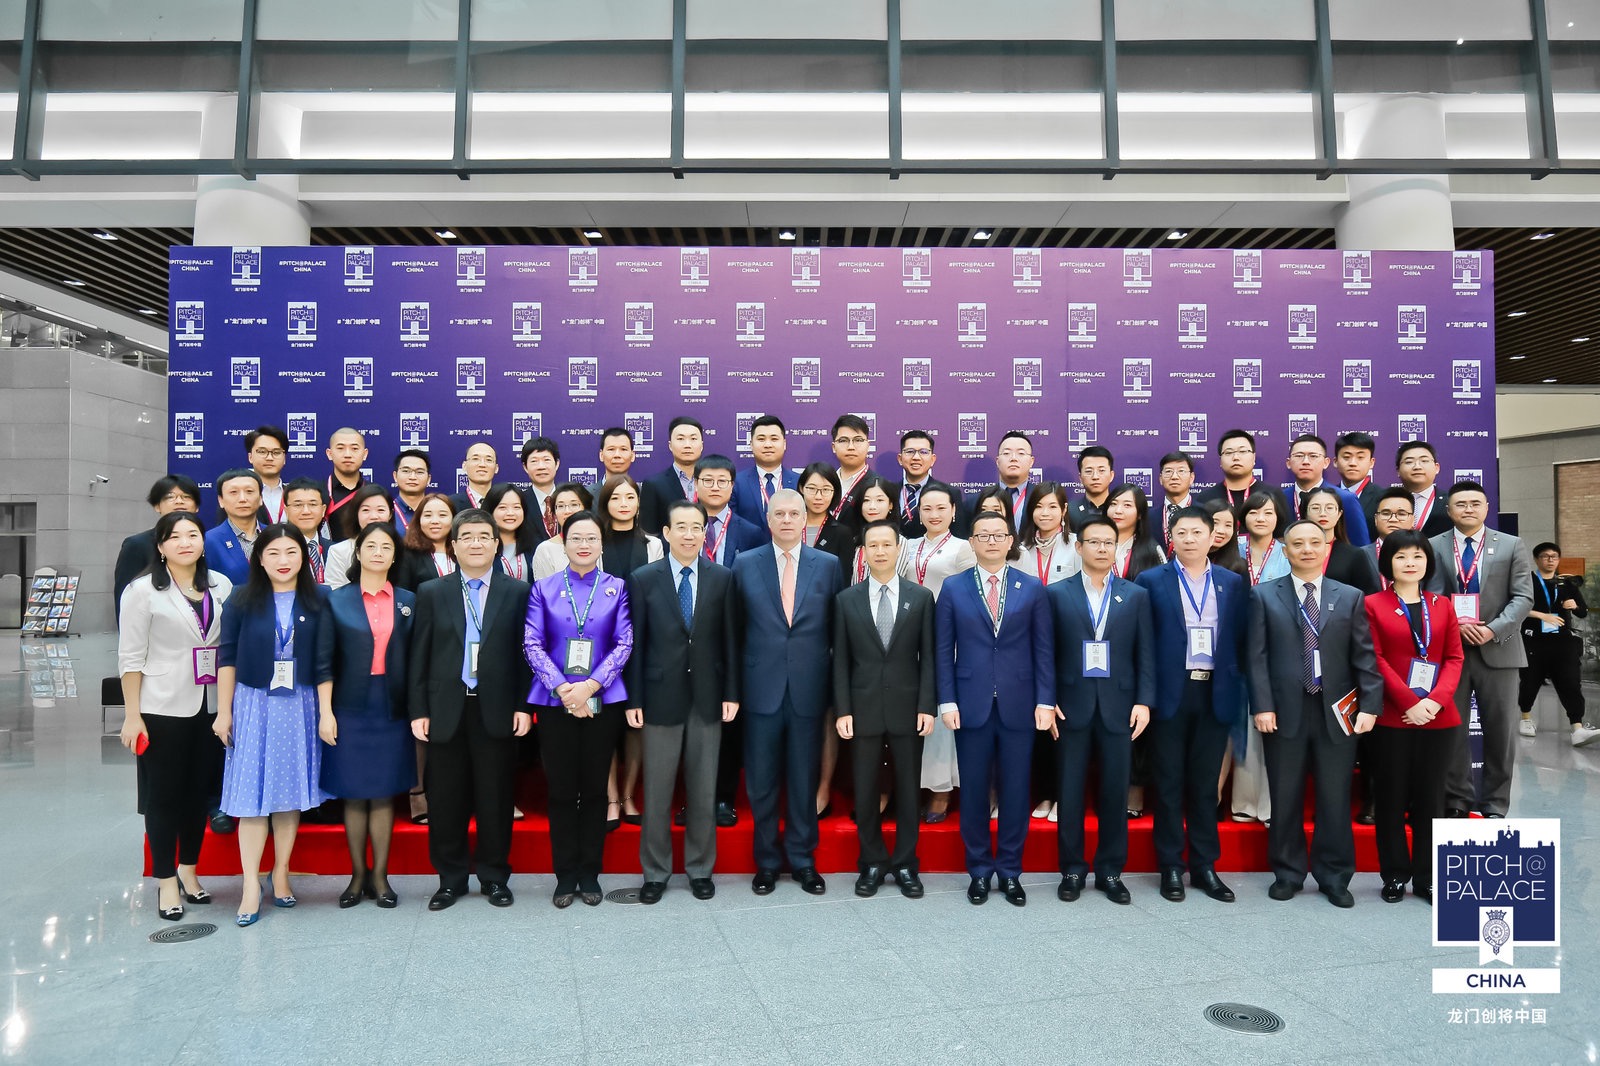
{"type": "Point", "coordinates": [1311, 655]}
{"type": "Point", "coordinates": [1105, 684]}
{"type": "Point", "coordinates": [883, 691]}
{"type": "Point", "coordinates": [1417, 465]}
{"type": "Point", "coordinates": [306, 504]}
{"type": "Point", "coordinates": [754, 485]}
{"type": "Point", "coordinates": [784, 613]}
{"type": "Point", "coordinates": [469, 684]}
{"type": "Point", "coordinates": [686, 440]}
{"type": "Point", "coordinates": [995, 662]}
{"type": "Point", "coordinates": [852, 444]}
{"type": "Point", "coordinates": [1393, 511]}
{"type": "Point", "coordinates": [1352, 457]}
{"type": "Point", "coordinates": [1488, 576]}
{"type": "Point", "coordinates": [1199, 612]}
{"type": "Point", "coordinates": [174, 492]}
{"type": "Point", "coordinates": [231, 543]}
{"type": "Point", "coordinates": [1097, 469]}
{"type": "Point", "coordinates": [726, 533]}
{"type": "Point", "coordinates": [683, 684]}
{"type": "Point", "coordinates": [916, 458]}
{"type": "Point", "coordinates": [481, 465]}
{"type": "Point", "coordinates": [1308, 462]}
{"type": "Point", "coordinates": [541, 461]}
{"type": "Point", "coordinates": [1236, 453]}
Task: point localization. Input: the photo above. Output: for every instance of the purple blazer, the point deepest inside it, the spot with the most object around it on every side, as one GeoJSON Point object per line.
{"type": "Point", "coordinates": [552, 621]}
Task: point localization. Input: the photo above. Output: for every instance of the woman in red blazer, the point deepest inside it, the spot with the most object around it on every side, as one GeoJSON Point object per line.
{"type": "Point", "coordinates": [1419, 655]}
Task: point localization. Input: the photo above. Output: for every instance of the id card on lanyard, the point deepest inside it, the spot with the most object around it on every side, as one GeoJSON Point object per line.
{"type": "Point", "coordinates": [580, 649]}
{"type": "Point", "coordinates": [283, 657]}
{"type": "Point", "coordinates": [1422, 674]}
{"type": "Point", "coordinates": [205, 658]}
{"type": "Point", "coordinates": [1097, 652]}
{"type": "Point", "coordinates": [1466, 603]}
{"type": "Point", "coordinates": [1202, 638]}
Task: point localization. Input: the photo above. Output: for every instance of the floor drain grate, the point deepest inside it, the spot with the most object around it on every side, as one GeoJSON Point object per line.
{"type": "Point", "coordinates": [183, 933]}
{"type": "Point", "coordinates": [623, 895]}
{"type": "Point", "coordinates": [1243, 1018]}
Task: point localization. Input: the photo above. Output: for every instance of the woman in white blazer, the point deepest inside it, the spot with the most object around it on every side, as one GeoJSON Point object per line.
{"type": "Point", "coordinates": [167, 656]}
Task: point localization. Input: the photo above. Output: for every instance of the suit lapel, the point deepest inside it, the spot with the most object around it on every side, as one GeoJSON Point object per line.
{"type": "Point", "coordinates": [803, 577]}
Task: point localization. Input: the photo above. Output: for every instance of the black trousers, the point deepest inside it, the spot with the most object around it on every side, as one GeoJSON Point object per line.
{"type": "Point", "coordinates": [1409, 779]}
{"type": "Point", "coordinates": [1046, 760]}
{"type": "Point", "coordinates": [577, 758]}
{"type": "Point", "coordinates": [781, 758]}
{"type": "Point", "coordinates": [1332, 852]}
{"type": "Point", "coordinates": [1186, 759]}
{"type": "Point", "coordinates": [1558, 659]}
{"type": "Point", "coordinates": [1112, 750]}
{"type": "Point", "coordinates": [730, 760]}
{"type": "Point", "coordinates": [179, 771]}
{"type": "Point", "coordinates": [470, 774]}
{"type": "Point", "coordinates": [905, 756]}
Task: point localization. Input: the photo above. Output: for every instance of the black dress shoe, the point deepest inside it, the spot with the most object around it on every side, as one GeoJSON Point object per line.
{"type": "Point", "coordinates": [445, 898]}
{"type": "Point", "coordinates": [764, 882]}
{"type": "Point", "coordinates": [1424, 894]}
{"type": "Point", "coordinates": [1366, 817]}
{"type": "Point", "coordinates": [223, 823]}
{"type": "Point", "coordinates": [592, 897]}
{"type": "Point", "coordinates": [171, 914]}
{"type": "Point", "coordinates": [1012, 889]}
{"type": "Point", "coordinates": [1455, 812]}
{"type": "Point", "coordinates": [1172, 885]}
{"type": "Point", "coordinates": [388, 900]}
{"type": "Point", "coordinates": [811, 881]}
{"type": "Point", "coordinates": [1208, 882]}
{"type": "Point", "coordinates": [1115, 890]}
{"type": "Point", "coordinates": [651, 891]}
{"type": "Point", "coordinates": [910, 884]}
{"type": "Point", "coordinates": [350, 896]}
{"type": "Point", "coordinates": [1070, 888]}
{"type": "Point", "coordinates": [1339, 897]}
{"type": "Point", "coordinates": [499, 893]}
{"type": "Point", "coordinates": [702, 887]}
{"type": "Point", "coordinates": [563, 898]}
{"type": "Point", "coordinates": [726, 816]}
{"type": "Point", "coordinates": [1393, 891]}
{"type": "Point", "coordinates": [1282, 890]}
{"type": "Point", "coordinates": [867, 884]}
{"type": "Point", "coordinates": [680, 818]}
{"type": "Point", "coordinates": [978, 891]}
{"type": "Point", "coordinates": [199, 898]}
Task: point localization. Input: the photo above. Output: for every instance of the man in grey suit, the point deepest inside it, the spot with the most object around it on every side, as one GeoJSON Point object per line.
{"type": "Point", "coordinates": [683, 684]}
{"type": "Point", "coordinates": [883, 690]}
{"type": "Point", "coordinates": [1310, 654]}
{"type": "Point", "coordinates": [1488, 576]}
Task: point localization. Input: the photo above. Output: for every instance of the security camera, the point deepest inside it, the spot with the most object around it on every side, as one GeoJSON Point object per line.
{"type": "Point", "coordinates": [101, 479]}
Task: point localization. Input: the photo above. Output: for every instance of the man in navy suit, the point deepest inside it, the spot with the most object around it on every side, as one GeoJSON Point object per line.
{"type": "Point", "coordinates": [916, 457]}
{"type": "Point", "coordinates": [726, 533]}
{"type": "Point", "coordinates": [784, 602]}
{"type": "Point", "coordinates": [1308, 462]}
{"type": "Point", "coordinates": [754, 485]}
{"type": "Point", "coordinates": [994, 656]}
{"type": "Point", "coordinates": [687, 442]}
{"type": "Point", "coordinates": [1199, 611]}
{"type": "Point", "coordinates": [230, 543]}
{"type": "Point", "coordinates": [1105, 684]}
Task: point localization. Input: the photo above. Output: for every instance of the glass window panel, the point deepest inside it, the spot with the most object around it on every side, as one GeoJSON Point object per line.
{"type": "Point", "coordinates": [10, 66]}
{"type": "Point", "coordinates": [831, 19]}
{"type": "Point", "coordinates": [1572, 20]}
{"type": "Point", "coordinates": [1215, 20]}
{"type": "Point", "coordinates": [1000, 67]}
{"type": "Point", "coordinates": [1479, 91]}
{"type": "Point", "coordinates": [117, 67]}
{"type": "Point", "coordinates": [588, 66]}
{"type": "Point", "coordinates": [1576, 76]}
{"type": "Point", "coordinates": [1400, 20]}
{"type": "Point", "coordinates": [612, 125]}
{"type": "Point", "coordinates": [1575, 66]}
{"type": "Point", "coordinates": [125, 125]}
{"type": "Point", "coordinates": [773, 66]}
{"type": "Point", "coordinates": [125, 20]}
{"type": "Point", "coordinates": [1233, 100]}
{"type": "Point", "coordinates": [13, 16]}
{"type": "Point", "coordinates": [978, 125]}
{"type": "Point", "coordinates": [561, 20]}
{"type": "Point", "coordinates": [963, 20]}
{"type": "Point", "coordinates": [378, 126]}
{"type": "Point", "coordinates": [1221, 67]}
{"type": "Point", "coordinates": [376, 66]}
{"type": "Point", "coordinates": [357, 20]}
{"type": "Point", "coordinates": [786, 125]}
{"type": "Point", "coordinates": [1429, 68]}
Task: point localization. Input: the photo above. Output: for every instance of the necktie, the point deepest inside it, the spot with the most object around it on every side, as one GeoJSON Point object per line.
{"type": "Point", "coordinates": [1018, 496]}
{"type": "Point", "coordinates": [686, 597]}
{"type": "Point", "coordinates": [994, 600]}
{"type": "Point", "coordinates": [885, 617]}
{"type": "Point", "coordinates": [771, 488]}
{"type": "Point", "coordinates": [711, 539]}
{"type": "Point", "coordinates": [315, 549]}
{"type": "Point", "coordinates": [912, 492]}
{"type": "Point", "coordinates": [1308, 640]}
{"type": "Point", "coordinates": [1468, 554]}
{"type": "Point", "coordinates": [786, 587]}
{"type": "Point", "coordinates": [475, 591]}
{"type": "Point", "coordinates": [1301, 510]}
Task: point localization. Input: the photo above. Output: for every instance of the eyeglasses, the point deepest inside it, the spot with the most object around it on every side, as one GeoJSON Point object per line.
{"type": "Point", "coordinates": [1305, 457]}
{"type": "Point", "coordinates": [583, 542]}
{"type": "Point", "coordinates": [177, 497]}
{"type": "Point", "coordinates": [857, 441]}
{"type": "Point", "coordinates": [991, 538]}
{"type": "Point", "coordinates": [268, 453]}
{"type": "Point", "coordinates": [1174, 471]}
{"type": "Point", "coordinates": [1395, 516]}
{"type": "Point", "coordinates": [475, 538]}
{"type": "Point", "coordinates": [916, 453]}
{"type": "Point", "coordinates": [1234, 453]}
{"type": "Point", "coordinates": [818, 490]}
{"type": "Point", "coordinates": [1101, 545]}
{"type": "Point", "coordinates": [715, 482]}
{"type": "Point", "coordinates": [411, 471]}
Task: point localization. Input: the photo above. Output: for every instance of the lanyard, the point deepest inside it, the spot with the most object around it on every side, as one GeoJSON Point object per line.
{"type": "Point", "coordinates": [566, 576]}
{"type": "Point", "coordinates": [905, 500]}
{"type": "Point", "coordinates": [978, 575]}
{"type": "Point", "coordinates": [861, 565]}
{"type": "Point", "coordinates": [844, 495]}
{"type": "Point", "coordinates": [281, 494]}
{"type": "Point", "coordinates": [1205, 590]}
{"type": "Point", "coordinates": [1127, 560]}
{"type": "Point", "coordinates": [1306, 617]}
{"type": "Point", "coordinates": [1244, 493]}
{"type": "Point", "coordinates": [714, 546]}
{"type": "Point", "coordinates": [1361, 486]}
{"type": "Point", "coordinates": [1426, 509]}
{"type": "Point", "coordinates": [472, 607]}
{"type": "Point", "coordinates": [318, 563]}
{"type": "Point", "coordinates": [761, 483]}
{"type": "Point", "coordinates": [335, 505]}
{"type": "Point", "coordinates": [1426, 640]}
{"type": "Point", "coordinates": [811, 536]}
{"type": "Point", "coordinates": [1551, 591]}
{"type": "Point", "coordinates": [441, 563]}
{"type": "Point", "coordinates": [1098, 618]}
{"type": "Point", "coordinates": [922, 567]}
{"type": "Point", "coordinates": [512, 561]}
{"type": "Point", "coordinates": [1466, 578]}
{"type": "Point", "coordinates": [1266, 556]}
{"type": "Point", "coordinates": [285, 634]}
{"type": "Point", "coordinates": [1042, 561]}
{"type": "Point", "coordinates": [402, 516]}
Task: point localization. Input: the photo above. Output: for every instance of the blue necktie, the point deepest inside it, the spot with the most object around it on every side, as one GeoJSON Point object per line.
{"type": "Point", "coordinates": [1468, 554]}
{"type": "Point", "coordinates": [1308, 640]}
{"type": "Point", "coordinates": [771, 488]}
{"type": "Point", "coordinates": [686, 597]}
{"type": "Point", "coordinates": [474, 590]}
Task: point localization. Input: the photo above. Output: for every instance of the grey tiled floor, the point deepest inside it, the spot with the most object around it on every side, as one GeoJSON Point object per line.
{"type": "Point", "coordinates": [738, 980]}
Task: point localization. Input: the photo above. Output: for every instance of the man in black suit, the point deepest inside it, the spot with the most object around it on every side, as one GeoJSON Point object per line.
{"type": "Point", "coordinates": [726, 533]}
{"type": "Point", "coordinates": [686, 440]}
{"type": "Point", "coordinates": [916, 458]}
{"type": "Point", "coordinates": [683, 684]}
{"type": "Point", "coordinates": [1352, 457]}
{"type": "Point", "coordinates": [1236, 453]}
{"type": "Point", "coordinates": [469, 684]}
{"type": "Point", "coordinates": [883, 691]}
{"type": "Point", "coordinates": [481, 465]}
{"type": "Point", "coordinates": [1105, 684]}
{"type": "Point", "coordinates": [852, 444]}
{"type": "Point", "coordinates": [541, 461]}
{"type": "Point", "coordinates": [1311, 655]}
{"type": "Point", "coordinates": [1097, 469]}
{"type": "Point", "coordinates": [1417, 464]}
{"type": "Point", "coordinates": [306, 504]}
{"type": "Point", "coordinates": [173, 492]}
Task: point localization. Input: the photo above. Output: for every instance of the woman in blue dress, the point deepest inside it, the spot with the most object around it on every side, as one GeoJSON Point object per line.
{"type": "Point", "coordinates": [368, 760]}
{"type": "Point", "coordinates": [268, 689]}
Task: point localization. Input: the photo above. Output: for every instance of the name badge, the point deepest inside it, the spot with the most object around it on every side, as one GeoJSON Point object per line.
{"type": "Point", "coordinates": [1548, 627]}
{"type": "Point", "coordinates": [205, 666]}
{"type": "Point", "coordinates": [1200, 641]}
{"type": "Point", "coordinates": [472, 660]}
{"type": "Point", "coordinates": [580, 656]}
{"type": "Point", "coordinates": [1316, 667]}
{"type": "Point", "coordinates": [282, 675]}
{"type": "Point", "coordinates": [1096, 658]}
{"type": "Point", "coordinates": [1466, 607]}
{"type": "Point", "coordinates": [1421, 677]}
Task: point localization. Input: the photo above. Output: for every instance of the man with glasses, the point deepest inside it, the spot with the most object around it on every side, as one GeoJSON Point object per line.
{"type": "Point", "coordinates": [852, 443]}
{"type": "Point", "coordinates": [481, 465]}
{"type": "Point", "coordinates": [726, 533]}
{"type": "Point", "coordinates": [1417, 464]}
{"type": "Point", "coordinates": [412, 472]}
{"type": "Point", "coordinates": [686, 440]}
{"type": "Point", "coordinates": [1177, 480]}
{"type": "Point", "coordinates": [1488, 576]}
{"type": "Point", "coordinates": [916, 458]}
{"type": "Point", "coordinates": [1392, 512]}
{"type": "Point", "coordinates": [1308, 461]}
{"type": "Point", "coordinates": [1097, 469]}
{"type": "Point", "coordinates": [754, 485]}
{"type": "Point", "coordinates": [266, 448]}
{"type": "Point", "coordinates": [469, 684]}
{"type": "Point", "coordinates": [171, 493]}
{"type": "Point", "coordinates": [1236, 452]}
{"type": "Point", "coordinates": [306, 504]}
{"type": "Point", "coordinates": [1013, 463]}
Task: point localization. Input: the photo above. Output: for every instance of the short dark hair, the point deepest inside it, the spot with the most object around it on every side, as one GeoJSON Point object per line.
{"type": "Point", "coordinates": [1235, 434]}
{"type": "Point", "coordinates": [307, 484]}
{"type": "Point", "coordinates": [1015, 434]}
{"type": "Point", "coordinates": [1255, 502]}
{"type": "Point", "coordinates": [1300, 522]}
{"type": "Point", "coordinates": [826, 472]}
{"type": "Point", "coordinates": [413, 453]}
{"type": "Point", "coordinates": [1398, 492]}
{"type": "Point", "coordinates": [540, 444]}
{"type": "Point", "coordinates": [915, 434]}
{"type": "Point", "coordinates": [1400, 452]}
{"type": "Point", "coordinates": [999, 493]}
{"type": "Point", "coordinates": [1356, 438]}
{"type": "Point", "coordinates": [1546, 546]}
{"type": "Point", "coordinates": [713, 462]}
{"type": "Point", "coordinates": [1175, 457]}
{"type": "Point", "coordinates": [234, 474]}
{"type": "Point", "coordinates": [165, 485]}
{"type": "Point", "coordinates": [769, 420]}
{"type": "Point", "coordinates": [372, 529]}
{"type": "Point", "coordinates": [1098, 519]}
{"type": "Point", "coordinates": [855, 422]}
{"type": "Point", "coordinates": [880, 523]}
{"type": "Point", "coordinates": [685, 420]}
{"type": "Point", "coordinates": [1015, 553]}
{"type": "Point", "coordinates": [471, 516]}
{"type": "Point", "coordinates": [1192, 511]}
{"type": "Point", "coordinates": [523, 535]}
{"type": "Point", "coordinates": [160, 576]}
{"type": "Point", "coordinates": [1096, 451]}
{"type": "Point", "coordinates": [580, 516]}
{"type": "Point", "coordinates": [616, 431]}
{"type": "Point", "coordinates": [1310, 438]}
{"type": "Point", "coordinates": [1465, 486]}
{"type": "Point", "coordinates": [937, 486]}
{"type": "Point", "coordinates": [682, 504]}
{"type": "Point", "coordinates": [265, 431]}
{"type": "Point", "coordinates": [1405, 538]}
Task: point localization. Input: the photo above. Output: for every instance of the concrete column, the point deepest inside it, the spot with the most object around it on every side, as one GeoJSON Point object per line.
{"type": "Point", "coordinates": [1408, 212]}
{"type": "Point", "coordinates": [231, 211]}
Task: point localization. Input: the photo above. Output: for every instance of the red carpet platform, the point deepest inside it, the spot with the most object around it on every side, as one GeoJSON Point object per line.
{"type": "Point", "coordinates": [321, 849]}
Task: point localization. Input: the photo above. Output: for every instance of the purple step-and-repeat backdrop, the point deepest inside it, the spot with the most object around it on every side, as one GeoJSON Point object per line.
{"type": "Point", "coordinates": [1140, 350]}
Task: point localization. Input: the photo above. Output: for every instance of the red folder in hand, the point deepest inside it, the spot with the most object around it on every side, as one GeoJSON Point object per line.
{"type": "Point", "coordinates": [1345, 709]}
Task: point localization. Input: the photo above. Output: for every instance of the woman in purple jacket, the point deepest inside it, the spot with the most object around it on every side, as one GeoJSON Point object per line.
{"type": "Point", "coordinates": [577, 638]}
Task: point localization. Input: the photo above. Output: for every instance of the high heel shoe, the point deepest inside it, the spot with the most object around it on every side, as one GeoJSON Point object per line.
{"type": "Point", "coordinates": [353, 893]}
{"type": "Point", "coordinates": [243, 920]}
{"type": "Point", "coordinates": [631, 819]}
{"type": "Point", "coordinates": [284, 902]}
{"type": "Point", "coordinates": [172, 914]}
{"type": "Point", "coordinates": [613, 823]}
{"type": "Point", "coordinates": [200, 898]}
{"type": "Point", "coordinates": [387, 900]}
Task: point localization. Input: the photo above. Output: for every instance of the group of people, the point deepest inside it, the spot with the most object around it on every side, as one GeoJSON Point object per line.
{"type": "Point", "coordinates": [329, 638]}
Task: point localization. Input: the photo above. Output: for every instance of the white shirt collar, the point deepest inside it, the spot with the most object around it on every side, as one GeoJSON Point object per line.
{"type": "Point", "coordinates": [1300, 588]}
{"type": "Point", "coordinates": [1461, 538]}
{"type": "Point", "coordinates": [893, 585]}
